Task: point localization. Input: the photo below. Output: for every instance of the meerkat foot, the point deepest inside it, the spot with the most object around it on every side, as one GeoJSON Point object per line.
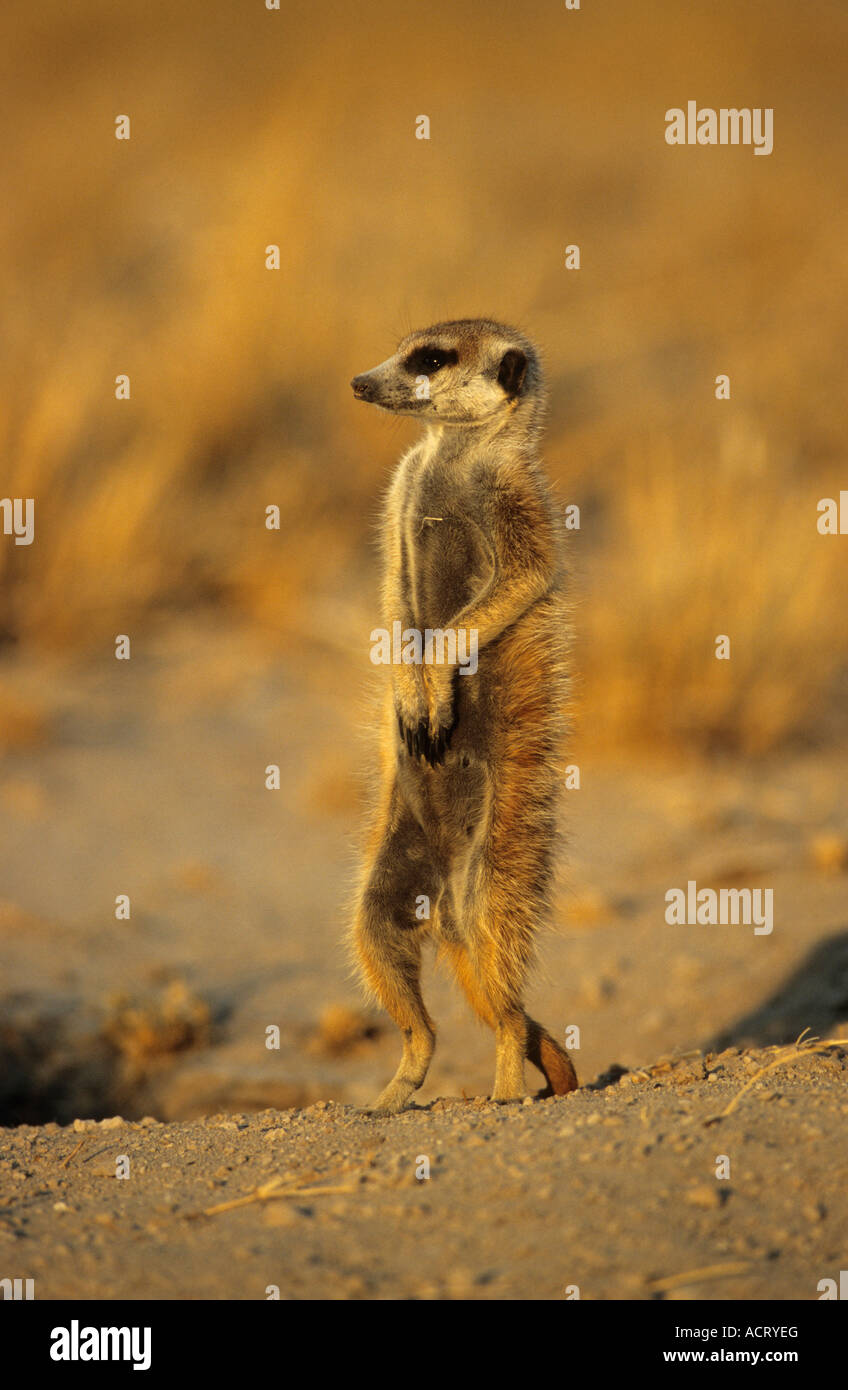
{"type": "Point", "coordinates": [394, 1098]}
{"type": "Point", "coordinates": [418, 1045]}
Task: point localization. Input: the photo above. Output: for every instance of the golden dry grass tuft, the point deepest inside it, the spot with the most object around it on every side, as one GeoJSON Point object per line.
{"type": "Point", "coordinates": [158, 1023]}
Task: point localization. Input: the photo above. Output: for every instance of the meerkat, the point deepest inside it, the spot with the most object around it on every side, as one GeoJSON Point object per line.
{"type": "Point", "coordinates": [466, 820]}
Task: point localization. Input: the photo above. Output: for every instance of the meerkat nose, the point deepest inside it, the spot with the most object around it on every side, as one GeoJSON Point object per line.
{"type": "Point", "coordinates": [363, 388]}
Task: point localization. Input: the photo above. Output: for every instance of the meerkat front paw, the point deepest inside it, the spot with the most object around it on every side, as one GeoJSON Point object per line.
{"type": "Point", "coordinates": [425, 725]}
{"type": "Point", "coordinates": [411, 710]}
{"type": "Point", "coordinates": [441, 712]}
{"type": "Point", "coordinates": [440, 740]}
{"type": "Point", "coordinates": [424, 741]}
{"type": "Point", "coordinates": [416, 737]}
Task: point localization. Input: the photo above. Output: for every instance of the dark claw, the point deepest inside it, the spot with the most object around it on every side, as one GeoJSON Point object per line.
{"type": "Point", "coordinates": [420, 743]}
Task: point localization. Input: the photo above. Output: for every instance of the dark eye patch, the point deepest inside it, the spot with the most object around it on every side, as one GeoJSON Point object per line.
{"type": "Point", "coordinates": [425, 361]}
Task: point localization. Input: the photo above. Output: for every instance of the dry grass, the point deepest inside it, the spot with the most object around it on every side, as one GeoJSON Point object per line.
{"type": "Point", "coordinates": [157, 1024]}
{"type": "Point", "coordinates": [727, 548]}
{"type": "Point", "coordinates": [810, 1047]}
{"type": "Point", "coordinates": [342, 1032]}
{"type": "Point", "coordinates": [275, 1189]}
{"type": "Point", "coordinates": [296, 128]}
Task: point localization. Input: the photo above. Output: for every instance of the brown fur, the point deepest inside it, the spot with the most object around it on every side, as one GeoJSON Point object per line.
{"type": "Point", "coordinates": [467, 814]}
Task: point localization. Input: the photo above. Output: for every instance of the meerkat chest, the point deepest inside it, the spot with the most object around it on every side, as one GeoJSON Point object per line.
{"type": "Point", "coordinates": [444, 548]}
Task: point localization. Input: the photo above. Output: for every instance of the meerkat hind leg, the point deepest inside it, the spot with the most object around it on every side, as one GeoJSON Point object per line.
{"type": "Point", "coordinates": [510, 1051]}
{"type": "Point", "coordinates": [399, 990]}
{"type": "Point", "coordinates": [418, 1047]}
{"type": "Point", "coordinates": [388, 943]}
{"type": "Point", "coordinates": [507, 1022]}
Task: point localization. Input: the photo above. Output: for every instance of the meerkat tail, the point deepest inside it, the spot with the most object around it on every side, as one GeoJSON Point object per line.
{"type": "Point", "coordinates": [552, 1060]}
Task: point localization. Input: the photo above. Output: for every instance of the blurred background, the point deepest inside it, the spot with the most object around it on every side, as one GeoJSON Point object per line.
{"type": "Point", "coordinates": [250, 646]}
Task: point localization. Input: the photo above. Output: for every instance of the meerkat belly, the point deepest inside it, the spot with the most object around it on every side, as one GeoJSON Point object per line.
{"type": "Point", "coordinates": [452, 806]}
{"type": "Point", "coordinates": [447, 565]}
{"type": "Point", "coordinates": [503, 690]}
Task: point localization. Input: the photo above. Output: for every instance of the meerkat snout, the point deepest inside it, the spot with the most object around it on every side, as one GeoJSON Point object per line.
{"type": "Point", "coordinates": [363, 387]}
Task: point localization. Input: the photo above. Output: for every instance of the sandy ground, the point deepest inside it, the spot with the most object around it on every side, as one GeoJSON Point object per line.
{"type": "Point", "coordinates": [149, 780]}
{"type": "Point", "coordinates": [606, 1194]}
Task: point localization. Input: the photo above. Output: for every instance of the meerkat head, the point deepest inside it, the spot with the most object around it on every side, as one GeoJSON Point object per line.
{"type": "Point", "coordinates": [467, 372]}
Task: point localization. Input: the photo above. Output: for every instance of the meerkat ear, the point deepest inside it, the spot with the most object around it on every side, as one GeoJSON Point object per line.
{"type": "Point", "coordinates": [512, 371]}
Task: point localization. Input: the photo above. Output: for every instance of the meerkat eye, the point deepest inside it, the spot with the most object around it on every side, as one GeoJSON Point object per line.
{"type": "Point", "coordinates": [425, 361]}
